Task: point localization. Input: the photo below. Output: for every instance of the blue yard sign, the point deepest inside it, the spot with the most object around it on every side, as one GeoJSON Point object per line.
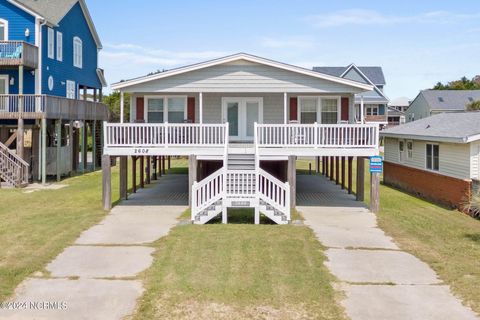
{"type": "Point", "coordinates": [376, 164]}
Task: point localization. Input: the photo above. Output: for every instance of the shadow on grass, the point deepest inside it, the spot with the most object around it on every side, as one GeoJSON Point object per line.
{"type": "Point", "coordinates": [475, 237]}
{"type": "Point", "coordinates": [241, 216]}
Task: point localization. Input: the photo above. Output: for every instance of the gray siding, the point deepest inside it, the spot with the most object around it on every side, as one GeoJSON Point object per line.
{"type": "Point", "coordinates": [242, 77]}
{"type": "Point", "coordinates": [355, 76]}
{"type": "Point", "coordinates": [419, 108]}
{"type": "Point", "coordinates": [475, 160]}
{"type": "Point", "coordinates": [454, 158]}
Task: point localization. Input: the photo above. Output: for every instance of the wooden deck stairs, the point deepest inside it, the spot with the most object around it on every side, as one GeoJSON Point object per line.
{"type": "Point", "coordinates": [13, 169]}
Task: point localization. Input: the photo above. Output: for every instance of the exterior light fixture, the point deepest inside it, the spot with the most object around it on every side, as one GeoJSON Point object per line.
{"type": "Point", "coordinates": [27, 32]}
{"type": "Point", "coordinates": [12, 81]}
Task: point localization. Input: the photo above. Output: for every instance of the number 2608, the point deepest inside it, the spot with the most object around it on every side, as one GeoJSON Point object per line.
{"type": "Point", "coordinates": [141, 151]}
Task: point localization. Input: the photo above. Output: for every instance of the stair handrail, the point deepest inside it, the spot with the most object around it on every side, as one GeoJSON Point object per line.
{"type": "Point", "coordinates": [22, 167]}
{"type": "Point", "coordinates": [214, 194]}
{"type": "Point", "coordinates": [283, 206]}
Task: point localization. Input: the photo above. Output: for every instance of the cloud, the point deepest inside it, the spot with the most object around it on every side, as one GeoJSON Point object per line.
{"type": "Point", "coordinates": [371, 17]}
{"type": "Point", "coordinates": [290, 42]}
{"type": "Point", "coordinates": [126, 60]}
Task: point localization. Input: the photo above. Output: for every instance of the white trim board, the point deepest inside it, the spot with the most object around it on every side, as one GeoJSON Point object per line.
{"type": "Point", "coordinates": [237, 57]}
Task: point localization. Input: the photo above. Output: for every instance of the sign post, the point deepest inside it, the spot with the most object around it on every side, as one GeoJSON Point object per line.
{"type": "Point", "coordinates": [376, 168]}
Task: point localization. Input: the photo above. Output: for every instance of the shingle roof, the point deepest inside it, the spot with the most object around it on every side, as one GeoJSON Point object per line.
{"type": "Point", "coordinates": [375, 74]}
{"type": "Point", "coordinates": [450, 99]}
{"type": "Point", "coordinates": [459, 127]}
{"type": "Point", "coordinates": [400, 102]}
{"type": "Point", "coordinates": [52, 10]}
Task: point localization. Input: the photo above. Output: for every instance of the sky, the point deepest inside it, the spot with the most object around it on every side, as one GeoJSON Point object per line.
{"type": "Point", "coordinates": [417, 43]}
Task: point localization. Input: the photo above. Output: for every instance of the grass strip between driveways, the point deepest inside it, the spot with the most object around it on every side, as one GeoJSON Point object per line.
{"type": "Point", "coordinates": [239, 271]}
{"type": "Point", "coordinates": [447, 240]}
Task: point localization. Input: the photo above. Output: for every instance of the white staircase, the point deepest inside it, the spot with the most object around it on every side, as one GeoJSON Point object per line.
{"type": "Point", "coordinates": [13, 169]}
{"type": "Point", "coordinates": [241, 183]}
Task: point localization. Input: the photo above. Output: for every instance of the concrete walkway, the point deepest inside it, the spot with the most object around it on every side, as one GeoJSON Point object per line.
{"type": "Point", "coordinates": [380, 281]}
{"type": "Point", "coordinates": [97, 277]}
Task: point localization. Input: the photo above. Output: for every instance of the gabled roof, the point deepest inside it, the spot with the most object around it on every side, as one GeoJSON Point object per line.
{"type": "Point", "coordinates": [237, 57]}
{"type": "Point", "coordinates": [463, 127]}
{"type": "Point", "coordinates": [53, 11]}
{"type": "Point", "coordinates": [374, 74]}
{"type": "Point", "coordinates": [450, 99]}
{"type": "Point", "coordinates": [400, 102]}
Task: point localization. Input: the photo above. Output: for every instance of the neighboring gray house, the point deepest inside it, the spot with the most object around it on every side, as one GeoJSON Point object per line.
{"type": "Point", "coordinates": [437, 157]}
{"type": "Point", "coordinates": [430, 102]}
{"type": "Point", "coordinates": [396, 111]}
{"type": "Point", "coordinates": [375, 101]}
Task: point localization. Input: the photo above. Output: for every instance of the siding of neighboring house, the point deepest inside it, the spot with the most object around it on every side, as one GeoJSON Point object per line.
{"type": "Point", "coordinates": [454, 158]}
{"type": "Point", "coordinates": [419, 107]}
{"type": "Point", "coordinates": [352, 74]}
{"type": "Point", "coordinates": [241, 77]}
{"type": "Point", "coordinates": [18, 21]}
{"type": "Point", "coordinates": [475, 160]}
{"type": "Point", "coordinates": [72, 25]}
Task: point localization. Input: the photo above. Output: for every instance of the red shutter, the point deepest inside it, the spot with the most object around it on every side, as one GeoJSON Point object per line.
{"type": "Point", "coordinates": [293, 109]}
{"type": "Point", "coordinates": [140, 110]}
{"type": "Point", "coordinates": [191, 109]}
{"type": "Point", "coordinates": [345, 109]}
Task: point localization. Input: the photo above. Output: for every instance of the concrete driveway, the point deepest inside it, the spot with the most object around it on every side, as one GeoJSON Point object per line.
{"type": "Point", "coordinates": [96, 278]}
{"type": "Point", "coordinates": [380, 281]}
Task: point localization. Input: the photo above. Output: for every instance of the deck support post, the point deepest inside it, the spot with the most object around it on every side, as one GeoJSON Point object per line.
{"type": "Point", "coordinates": [83, 147]}
{"type": "Point", "coordinates": [106, 183]}
{"type": "Point", "coordinates": [142, 176]}
{"type": "Point", "coordinates": [224, 215]}
{"type": "Point", "coordinates": [154, 167]}
{"type": "Point", "coordinates": [169, 162]}
{"type": "Point", "coordinates": [123, 178]}
{"type": "Point", "coordinates": [350, 174]}
{"type": "Point", "coordinates": [375, 192]}
{"type": "Point", "coordinates": [159, 164]}
{"type": "Point", "coordinates": [94, 144]}
{"type": "Point", "coordinates": [192, 176]}
{"type": "Point", "coordinates": [44, 150]}
{"type": "Point", "coordinates": [134, 174]}
{"type": "Point", "coordinates": [332, 167]}
{"type": "Point", "coordinates": [58, 160]}
{"type": "Point", "coordinates": [343, 173]}
{"type": "Point", "coordinates": [317, 165]}
{"type": "Point", "coordinates": [327, 167]}
{"type": "Point", "coordinates": [147, 171]}
{"type": "Point", "coordinates": [324, 165]}
{"type": "Point", "coordinates": [360, 179]}
{"type": "Point", "coordinates": [292, 180]}
{"type": "Point", "coordinates": [163, 165]}
{"type": "Point", "coordinates": [257, 215]}
{"type": "Point", "coordinates": [20, 127]}
{"type": "Point", "coordinates": [337, 170]}
{"type": "Point", "coordinates": [70, 143]}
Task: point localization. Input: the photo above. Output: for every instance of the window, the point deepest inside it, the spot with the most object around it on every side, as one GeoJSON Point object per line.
{"type": "Point", "coordinates": [71, 90]}
{"type": "Point", "coordinates": [3, 30]}
{"type": "Point", "coordinates": [401, 150]}
{"type": "Point", "coordinates": [59, 46]}
{"type": "Point", "coordinates": [176, 110]}
{"type": "Point", "coordinates": [77, 52]}
{"type": "Point", "coordinates": [372, 110]}
{"type": "Point", "coordinates": [308, 110]}
{"type": "Point", "coordinates": [409, 149]}
{"type": "Point", "coordinates": [155, 110]}
{"type": "Point", "coordinates": [441, 99]}
{"type": "Point", "coordinates": [329, 111]}
{"type": "Point", "coordinates": [433, 161]}
{"type": "Point", "coordinates": [51, 44]}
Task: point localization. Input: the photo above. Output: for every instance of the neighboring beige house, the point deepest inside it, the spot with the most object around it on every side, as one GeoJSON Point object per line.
{"type": "Point", "coordinates": [437, 157]}
{"type": "Point", "coordinates": [430, 102]}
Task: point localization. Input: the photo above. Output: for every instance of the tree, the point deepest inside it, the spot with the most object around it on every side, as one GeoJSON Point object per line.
{"type": "Point", "coordinates": [112, 101]}
{"type": "Point", "coordinates": [473, 106]}
{"type": "Point", "coordinates": [462, 84]}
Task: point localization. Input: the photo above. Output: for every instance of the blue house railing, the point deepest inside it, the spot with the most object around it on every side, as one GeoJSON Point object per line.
{"type": "Point", "coordinates": [16, 53]}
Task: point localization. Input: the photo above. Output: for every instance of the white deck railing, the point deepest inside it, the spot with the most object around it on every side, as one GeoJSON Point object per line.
{"type": "Point", "coordinates": [241, 184]}
{"type": "Point", "coordinates": [317, 135]}
{"type": "Point", "coordinates": [207, 192]}
{"type": "Point", "coordinates": [273, 191]}
{"type": "Point", "coordinates": [165, 134]}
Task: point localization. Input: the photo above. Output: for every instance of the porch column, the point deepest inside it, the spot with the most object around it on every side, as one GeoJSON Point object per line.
{"type": "Point", "coordinates": [58, 131]}
{"type": "Point", "coordinates": [142, 168]}
{"type": "Point", "coordinates": [147, 170]}
{"type": "Point", "coordinates": [94, 144]}
{"type": "Point", "coordinates": [317, 165]}
{"type": "Point", "coordinates": [154, 167]}
{"type": "Point", "coordinates": [122, 106]}
{"type": "Point", "coordinates": [20, 127]}
{"type": "Point", "coordinates": [84, 147]}
{"type": "Point", "coordinates": [375, 192]}
{"type": "Point", "coordinates": [163, 165]}
{"type": "Point", "coordinates": [337, 170]}
{"type": "Point", "coordinates": [362, 111]}
{"type": "Point", "coordinates": [35, 152]}
{"type": "Point", "coordinates": [343, 172]}
{"type": "Point", "coordinates": [159, 165]}
{"type": "Point", "coordinates": [285, 107]}
{"type": "Point", "coordinates": [169, 162]}
{"type": "Point", "coordinates": [200, 107]}
{"type": "Point", "coordinates": [292, 180]}
{"type": "Point", "coordinates": [360, 179]}
{"type": "Point", "coordinates": [44, 150]}
{"type": "Point", "coordinates": [332, 167]}
{"type": "Point", "coordinates": [106, 183]}
{"type": "Point", "coordinates": [70, 144]}
{"type": "Point", "coordinates": [192, 176]}
{"type": "Point", "coordinates": [134, 174]}
{"type": "Point", "coordinates": [123, 178]}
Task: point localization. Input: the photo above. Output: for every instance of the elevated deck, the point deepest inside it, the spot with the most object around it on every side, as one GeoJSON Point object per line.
{"type": "Point", "coordinates": [18, 53]}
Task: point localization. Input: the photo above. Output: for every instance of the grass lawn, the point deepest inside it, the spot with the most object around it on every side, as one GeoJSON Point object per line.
{"type": "Point", "coordinates": [239, 271]}
{"type": "Point", "coordinates": [449, 241]}
{"type": "Point", "coordinates": [36, 227]}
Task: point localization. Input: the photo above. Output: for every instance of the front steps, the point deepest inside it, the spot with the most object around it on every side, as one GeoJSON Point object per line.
{"type": "Point", "coordinates": [13, 169]}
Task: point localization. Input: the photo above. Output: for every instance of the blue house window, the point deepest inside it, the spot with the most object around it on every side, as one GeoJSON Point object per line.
{"type": "Point", "coordinates": [77, 52]}
{"type": "Point", "coordinates": [3, 30]}
{"type": "Point", "coordinates": [59, 46]}
{"type": "Point", "coordinates": [51, 44]}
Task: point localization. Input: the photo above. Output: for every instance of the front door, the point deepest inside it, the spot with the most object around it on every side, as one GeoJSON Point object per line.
{"type": "Point", "coordinates": [241, 115]}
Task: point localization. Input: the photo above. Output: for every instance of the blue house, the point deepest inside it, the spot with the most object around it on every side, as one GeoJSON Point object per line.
{"type": "Point", "coordinates": [50, 87]}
